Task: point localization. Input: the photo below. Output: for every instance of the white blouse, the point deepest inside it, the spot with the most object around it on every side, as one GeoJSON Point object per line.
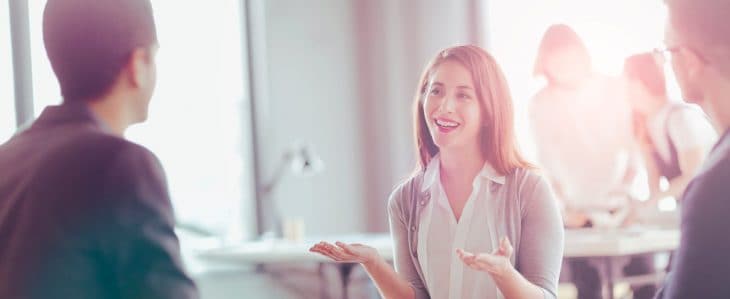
{"type": "Point", "coordinates": [447, 277]}
{"type": "Point", "coordinates": [688, 129]}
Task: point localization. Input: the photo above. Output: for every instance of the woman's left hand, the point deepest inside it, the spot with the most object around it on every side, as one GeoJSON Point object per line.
{"type": "Point", "coordinates": [496, 263]}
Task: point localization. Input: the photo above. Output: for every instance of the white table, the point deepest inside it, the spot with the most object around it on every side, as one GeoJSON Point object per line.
{"type": "Point", "coordinates": [618, 242]}
{"type": "Point", "coordinates": [605, 247]}
{"type": "Point", "coordinates": [608, 250]}
{"type": "Point", "coordinates": [284, 251]}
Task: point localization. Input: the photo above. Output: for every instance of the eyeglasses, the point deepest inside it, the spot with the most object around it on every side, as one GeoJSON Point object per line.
{"type": "Point", "coordinates": [663, 55]}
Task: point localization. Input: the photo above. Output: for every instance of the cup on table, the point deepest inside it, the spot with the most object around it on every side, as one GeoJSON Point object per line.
{"type": "Point", "coordinates": [293, 230]}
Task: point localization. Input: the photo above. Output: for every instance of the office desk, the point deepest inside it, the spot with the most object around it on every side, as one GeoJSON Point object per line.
{"type": "Point", "coordinates": [606, 249]}
{"type": "Point", "coordinates": [283, 251]}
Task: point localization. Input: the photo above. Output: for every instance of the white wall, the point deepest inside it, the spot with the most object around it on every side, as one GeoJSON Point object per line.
{"type": "Point", "coordinates": [341, 76]}
{"type": "Point", "coordinates": [312, 98]}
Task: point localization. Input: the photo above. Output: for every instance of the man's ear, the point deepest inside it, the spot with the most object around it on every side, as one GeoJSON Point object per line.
{"type": "Point", "coordinates": [693, 62]}
{"type": "Point", "coordinates": [138, 66]}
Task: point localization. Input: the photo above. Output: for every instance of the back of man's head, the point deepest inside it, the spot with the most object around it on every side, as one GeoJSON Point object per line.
{"type": "Point", "coordinates": [703, 25]}
{"type": "Point", "coordinates": [90, 41]}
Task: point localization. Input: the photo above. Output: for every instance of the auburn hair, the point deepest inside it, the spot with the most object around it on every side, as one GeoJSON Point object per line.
{"type": "Point", "coordinates": [498, 142]}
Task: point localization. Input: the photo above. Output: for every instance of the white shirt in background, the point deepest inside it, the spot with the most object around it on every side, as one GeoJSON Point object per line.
{"type": "Point", "coordinates": [446, 275]}
{"type": "Point", "coordinates": [688, 128]}
{"type": "Point", "coordinates": [585, 142]}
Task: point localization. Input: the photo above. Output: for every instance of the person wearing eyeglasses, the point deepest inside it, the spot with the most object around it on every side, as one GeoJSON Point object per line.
{"type": "Point", "coordinates": [673, 137]}
{"type": "Point", "coordinates": [697, 36]}
{"type": "Point", "coordinates": [581, 125]}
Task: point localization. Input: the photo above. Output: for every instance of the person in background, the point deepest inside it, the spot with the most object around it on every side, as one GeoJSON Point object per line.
{"type": "Point", "coordinates": [84, 213]}
{"type": "Point", "coordinates": [697, 42]}
{"type": "Point", "coordinates": [673, 137]}
{"type": "Point", "coordinates": [581, 123]}
{"type": "Point", "coordinates": [474, 221]}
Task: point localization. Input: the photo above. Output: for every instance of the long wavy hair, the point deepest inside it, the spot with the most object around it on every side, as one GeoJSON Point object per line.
{"type": "Point", "coordinates": [498, 142]}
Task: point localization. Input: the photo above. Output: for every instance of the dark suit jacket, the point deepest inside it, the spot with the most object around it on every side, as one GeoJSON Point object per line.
{"type": "Point", "coordinates": [701, 267]}
{"type": "Point", "coordinates": [85, 214]}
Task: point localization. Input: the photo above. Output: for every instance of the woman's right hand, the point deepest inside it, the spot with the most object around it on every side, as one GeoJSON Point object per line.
{"type": "Point", "coordinates": [347, 253]}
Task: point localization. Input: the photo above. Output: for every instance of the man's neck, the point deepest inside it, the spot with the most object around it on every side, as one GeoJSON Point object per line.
{"type": "Point", "coordinates": [111, 111]}
{"type": "Point", "coordinates": [718, 98]}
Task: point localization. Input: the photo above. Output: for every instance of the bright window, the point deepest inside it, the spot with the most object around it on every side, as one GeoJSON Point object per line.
{"type": "Point", "coordinates": [612, 30]}
{"type": "Point", "coordinates": [198, 118]}
{"type": "Point", "coordinates": [7, 94]}
{"type": "Point", "coordinates": [45, 86]}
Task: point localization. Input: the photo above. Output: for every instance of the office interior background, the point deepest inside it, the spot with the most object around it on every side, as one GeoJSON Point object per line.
{"type": "Point", "coordinates": [245, 85]}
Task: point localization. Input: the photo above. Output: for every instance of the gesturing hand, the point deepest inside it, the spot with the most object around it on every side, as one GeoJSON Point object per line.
{"type": "Point", "coordinates": [495, 263]}
{"type": "Point", "coordinates": [346, 253]}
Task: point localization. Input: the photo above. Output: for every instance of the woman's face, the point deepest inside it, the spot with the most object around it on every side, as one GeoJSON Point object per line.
{"type": "Point", "coordinates": [451, 108]}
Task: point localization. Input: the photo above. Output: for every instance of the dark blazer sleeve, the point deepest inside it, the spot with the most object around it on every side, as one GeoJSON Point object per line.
{"type": "Point", "coordinates": [141, 247]}
{"type": "Point", "coordinates": [702, 264]}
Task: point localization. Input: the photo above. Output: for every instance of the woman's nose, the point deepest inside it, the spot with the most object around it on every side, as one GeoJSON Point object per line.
{"type": "Point", "coordinates": [448, 105]}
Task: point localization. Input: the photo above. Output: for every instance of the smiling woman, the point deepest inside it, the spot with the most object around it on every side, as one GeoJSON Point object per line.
{"type": "Point", "coordinates": [451, 111]}
{"type": "Point", "coordinates": [474, 221]}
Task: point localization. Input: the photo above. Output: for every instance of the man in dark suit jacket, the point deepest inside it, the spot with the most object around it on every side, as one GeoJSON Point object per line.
{"type": "Point", "coordinates": [698, 40]}
{"type": "Point", "coordinates": [84, 213]}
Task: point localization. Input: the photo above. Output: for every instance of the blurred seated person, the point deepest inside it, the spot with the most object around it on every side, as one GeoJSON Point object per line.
{"type": "Point", "coordinates": [581, 122]}
{"type": "Point", "coordinates": [673, 136]}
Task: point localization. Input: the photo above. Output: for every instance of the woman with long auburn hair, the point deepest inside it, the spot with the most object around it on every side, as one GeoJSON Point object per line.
{"type": "Point", "coordinates": [474, 220]}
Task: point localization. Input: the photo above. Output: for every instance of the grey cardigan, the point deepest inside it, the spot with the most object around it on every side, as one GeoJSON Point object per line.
{"type": "Point", "coordinates": [523, 209]}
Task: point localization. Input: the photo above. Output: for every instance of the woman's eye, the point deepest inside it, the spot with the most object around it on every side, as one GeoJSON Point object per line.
{"type": "Point", "coordinates": [463, 96]}
{"type": "Point", "coordinates": [435, 92]}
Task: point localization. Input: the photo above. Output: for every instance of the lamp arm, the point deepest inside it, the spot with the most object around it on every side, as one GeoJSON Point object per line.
{"type": "Point", "coordinates": [279, 173]}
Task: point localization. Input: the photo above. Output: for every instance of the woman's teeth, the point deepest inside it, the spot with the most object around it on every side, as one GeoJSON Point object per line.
{"type": "Point", "coordinates": [447, 124]}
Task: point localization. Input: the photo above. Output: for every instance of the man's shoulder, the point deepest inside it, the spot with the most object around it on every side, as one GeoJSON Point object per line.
{"type": "Point", "coordinates": [117, 148]}
{"type": "Point", "coordinates": [710, 186]}
{"type": "Point", "coordinates": [87, 152]}
{"type": "Point", "coordinates": [111, 154]}
{"type": "Point", "coordinates": [127, 161]}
